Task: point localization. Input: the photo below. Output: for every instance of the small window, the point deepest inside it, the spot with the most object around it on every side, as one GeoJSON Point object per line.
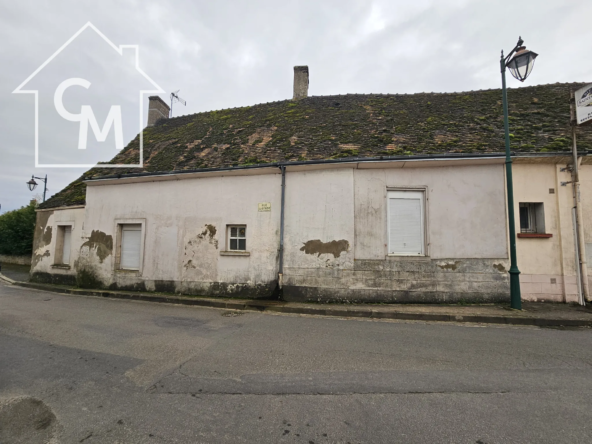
{"type": "Point", "coordinates": [237, 238]}
{"type": "Point", "coordinates": [131, 243]}
{"type": "Point", "coordinates": [532, 217]}
{"type": "Point", "coordinates": [63, 245]}
{"type": "Point", "coordinates": [406, 223]}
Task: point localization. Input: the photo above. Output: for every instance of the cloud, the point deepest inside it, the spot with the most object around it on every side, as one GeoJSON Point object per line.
{"type": "Point", "coordinates": [227, 54]}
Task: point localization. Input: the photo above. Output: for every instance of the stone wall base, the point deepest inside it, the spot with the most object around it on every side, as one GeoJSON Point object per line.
{"type": "Point", "coordinates": [16, 260]}
{"type": "Point", "coordinates": [86, 279]}
{"type": "Point", "coordinates": [354, 296]}
{"type": "Point", "coordinates": [406, 280]}
{"type": "Point", "coordinates": [53, 278]}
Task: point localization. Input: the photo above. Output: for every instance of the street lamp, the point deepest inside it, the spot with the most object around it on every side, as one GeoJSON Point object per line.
{"type": "Point", "coordinates": [520, 62]}
{"type": "Point", "coordinates": [32, 184]}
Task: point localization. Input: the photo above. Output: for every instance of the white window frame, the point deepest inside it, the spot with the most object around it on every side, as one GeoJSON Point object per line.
{"type": "Point", "coordinates": [229, 237]}
{"type": "Point", "coordinates": [119, 223]}
{"type": "Point", "coordinates": [409, 193]}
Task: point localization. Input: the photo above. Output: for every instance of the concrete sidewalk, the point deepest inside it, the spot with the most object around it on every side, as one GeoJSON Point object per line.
{"type": "Point", "coordinates": [533, 313]}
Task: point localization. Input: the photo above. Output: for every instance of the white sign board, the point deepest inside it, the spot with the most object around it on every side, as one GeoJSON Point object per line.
{"type": "Point", "coordinates": [583, 98]}
{"type": "Point", "coordinates": [265, 206]}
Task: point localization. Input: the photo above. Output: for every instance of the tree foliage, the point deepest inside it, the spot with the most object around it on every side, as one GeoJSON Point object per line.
{"type": "Point", "coordinates": [16, 230]}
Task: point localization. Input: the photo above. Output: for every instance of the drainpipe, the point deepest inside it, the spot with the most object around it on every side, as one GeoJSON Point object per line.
{"type": "Point", "coordinates": [281, 267]}
{"type": "Point", "coordinates": [581, 242]}
{"type": "Point", "coordinates": [574, 220]}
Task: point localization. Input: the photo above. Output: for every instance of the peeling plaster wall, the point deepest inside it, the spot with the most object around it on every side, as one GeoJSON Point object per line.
{"type": "Point", "coordinates": [335, 235]}
{"type": "Point", "coordinates": [319, 211]}
{"type": "Point", "coordinates": [45, 242]}
{"type": "Point", "coordinates": [185, 233]}
{"type": "Point", "coordinates": [466, 231]}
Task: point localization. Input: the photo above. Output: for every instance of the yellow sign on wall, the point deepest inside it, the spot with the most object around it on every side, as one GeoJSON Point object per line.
{"type": "Point", "coordinates": [265, 206]}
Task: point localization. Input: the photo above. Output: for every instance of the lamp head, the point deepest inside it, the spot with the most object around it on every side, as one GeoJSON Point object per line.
{"type": "Point", "coordinates": [521, 64]}
{"type": "Point", "coordinates": [32, 184]}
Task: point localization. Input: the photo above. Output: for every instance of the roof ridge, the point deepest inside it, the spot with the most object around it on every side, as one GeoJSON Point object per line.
{"type": "Point", "coordinates": [330, 96]}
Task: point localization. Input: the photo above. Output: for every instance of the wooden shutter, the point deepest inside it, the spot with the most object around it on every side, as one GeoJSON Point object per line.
{"type": "Point", "coordinates": [405, 223]}
{"type": "Point", "coordinates": [67, 243]}
{"type": "Point", "coordinates": [131, 241]}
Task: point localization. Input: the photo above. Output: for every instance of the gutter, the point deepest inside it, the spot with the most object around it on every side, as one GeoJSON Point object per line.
{"type": "Point", "coordinates": [73, 207]}
{"type": "Point", "coordinates": [352, 160]}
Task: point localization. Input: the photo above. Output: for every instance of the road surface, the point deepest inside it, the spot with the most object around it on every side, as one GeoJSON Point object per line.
{"type": "Point", "coordinates": [91, 370]}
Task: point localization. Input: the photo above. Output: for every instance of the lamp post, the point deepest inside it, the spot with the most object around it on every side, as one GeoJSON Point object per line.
{"type": "Point", "coordinates": [32, 184]}
{"type": "Point", "coordinates": [520, 62]}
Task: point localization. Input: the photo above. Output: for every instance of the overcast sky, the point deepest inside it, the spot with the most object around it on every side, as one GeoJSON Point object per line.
{"type": "Point", "coordinates": [224, 54]}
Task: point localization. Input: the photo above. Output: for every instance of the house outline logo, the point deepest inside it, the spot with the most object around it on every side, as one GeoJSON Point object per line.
{"type": "Point", "coordinates": [86, 116]}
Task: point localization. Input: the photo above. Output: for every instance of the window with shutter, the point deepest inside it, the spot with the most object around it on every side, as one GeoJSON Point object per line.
{"type": "Point", "coordinates": [63, 245]}
{"type": "Point", "coordinates": [406, 223]}
{"type": "Point", "coordinates": [131, 242]}
{"type": "Point", "coordinates": [66, 247]}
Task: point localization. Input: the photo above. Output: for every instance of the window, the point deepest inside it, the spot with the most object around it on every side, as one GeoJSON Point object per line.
{"type": "Point", "coordinates": [237, 238]}
{"type": "Point", "coordinates": [532, 217]}
{"type": "Point", "coordinates": [66, 246]}
{"type": "Point", "coordinates": [63, 245]}
{"type": "Point", "coordinates": [406, 223]}
{"type": "Point", "coordinates": [131, 243]}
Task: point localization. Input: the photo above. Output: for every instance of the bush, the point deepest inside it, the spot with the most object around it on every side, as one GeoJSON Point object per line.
{"type": "Point", "coordinates": [16, 231]}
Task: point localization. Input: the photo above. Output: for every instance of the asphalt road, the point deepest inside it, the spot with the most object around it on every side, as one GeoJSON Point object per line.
{"type": "Point", "coordinates": [90, 370]}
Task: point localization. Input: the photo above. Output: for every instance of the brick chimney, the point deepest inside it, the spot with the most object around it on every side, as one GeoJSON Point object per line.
{"type": "Point", "coordinates": [157, 109]}
{"type": "Point", "coordinates": [300, 82]}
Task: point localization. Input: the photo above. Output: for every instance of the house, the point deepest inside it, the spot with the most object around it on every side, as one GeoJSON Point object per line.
{"type": "Point", "coordinates": [382, 198]}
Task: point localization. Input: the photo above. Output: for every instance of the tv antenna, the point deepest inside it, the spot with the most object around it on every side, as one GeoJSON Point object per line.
{"type": "Point", "coordinates": [175, 98]}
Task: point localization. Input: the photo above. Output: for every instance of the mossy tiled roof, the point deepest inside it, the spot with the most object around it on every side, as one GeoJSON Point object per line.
{"type": "Point", "coordinates": [352, 125]}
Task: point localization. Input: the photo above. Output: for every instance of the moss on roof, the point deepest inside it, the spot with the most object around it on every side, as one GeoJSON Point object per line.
{"type": "Point", "coordinates": [353, 125]}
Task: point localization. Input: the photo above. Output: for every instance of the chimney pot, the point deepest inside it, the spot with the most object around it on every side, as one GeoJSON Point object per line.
{"type": "Point", "coordinates": [157, 109]}
{"type": "Point", "coordinates": [300, 82]}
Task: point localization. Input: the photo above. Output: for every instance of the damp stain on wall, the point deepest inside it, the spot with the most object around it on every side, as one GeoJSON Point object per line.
{"type": "Point", "coordinates": [37, 257]}
{"type": "Point", "coordinates": [42, 237]}
{"type": "Point", "coordinates": [200, 255]}
{"type": "Point", "coordinates": [318, 247]}
{"type": "Point", "coordinates": [499, 267]}
{"type": "Point", "coordinates": [100, 242]}
{"type": "Point", "coordinates": [450, 265]}
{"type": "Point", "coordinates": [209, 232]}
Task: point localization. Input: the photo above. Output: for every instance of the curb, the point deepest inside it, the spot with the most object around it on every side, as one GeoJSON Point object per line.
{"type": "Point", "coordinates": [287, 307]}
{"type": "Point", "coordinates": [7, 279]}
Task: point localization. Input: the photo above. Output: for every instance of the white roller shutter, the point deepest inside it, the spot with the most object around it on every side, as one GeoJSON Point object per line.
{"type": "Point", "coordinates": [405, 223]}
{"type": "Point", "coordinates": [131, 240]}
{"type": "Point", "coordinates": [67, 243]}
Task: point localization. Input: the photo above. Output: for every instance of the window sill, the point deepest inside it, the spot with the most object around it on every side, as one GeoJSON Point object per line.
{"type": "Point", "coordinates": [235, 253]}
{"type": "Point", "coordinates": [534, 235]}
{"type": "Point", "coordinates": [61, 266]}
{"type": "Point", "coordinates": [128, 272]}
